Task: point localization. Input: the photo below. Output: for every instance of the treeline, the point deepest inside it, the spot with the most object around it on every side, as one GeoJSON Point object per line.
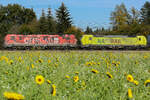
{"type": "Point", "coordinates": [19, 20]}
{"type": "Point", "coordinates": [126, 22]}
{"type": "Point", "coordinates": [15, 19]}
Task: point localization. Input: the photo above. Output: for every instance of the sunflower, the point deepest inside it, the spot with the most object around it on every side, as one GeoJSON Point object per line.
{"type": "Point", "coordinates": [11, 62]}
{"type": "Point", "coordinates": [53, 90]}
{"type": "Point", "coordinates": [145, 57]}
{"type": "Point", "coordinates": [95, 71]}
{"type": "Point", "coordinates": [40, 60]}
{"type": "Point", "coordinates": [32, 65]}
{"type": "Point", "coordinates": [76, 78]}
{"type": "Point", "coordinates": [49, 61]}
{"type": "Point", "coordinates": [39, 79]}
{"type": "Point", "coordinates": [130, 78]}
{"type": "Point", "coordinates": [13, 96]}
{"type": "Point", "coordinates": [76, 72]}
{"type": "Point", "coordinates": [130, 93]}
{"type": "Point", "coordinates": [135, 82]}
{"type": "Point", "coordinates": [98, 63]}
{"type": "Point", "coordinates": [109, 75]}
{"type": "Point", "coordinates": [19, 59]}
{"type": "Point", "coordinates": [48, 81]}
{"type": "Point", "coordinates": [67, 76]}
{"type": "Point", "coordinates": [147, 83]}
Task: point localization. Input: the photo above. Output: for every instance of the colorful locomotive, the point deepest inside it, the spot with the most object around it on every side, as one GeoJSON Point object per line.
{"type": "Point", "coordinates": [110, 41]}
{"type": "Point", "coordinates": [113, 41]}
{"type": "Point", "coordinates": [39, 40]}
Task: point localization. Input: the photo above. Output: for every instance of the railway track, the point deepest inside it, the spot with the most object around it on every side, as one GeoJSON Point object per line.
{"type": "Point", "coordinates": [82, 50]}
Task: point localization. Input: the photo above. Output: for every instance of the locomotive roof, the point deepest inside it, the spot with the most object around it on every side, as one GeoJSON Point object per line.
{"type": "Point", "coordinates": [114, 35]}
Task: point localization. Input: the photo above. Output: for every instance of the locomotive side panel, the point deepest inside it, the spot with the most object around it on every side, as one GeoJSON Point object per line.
{"type": "Point", "coordinates": [111, 41]}
{"type": "Point", "coordinates": [39, 40]}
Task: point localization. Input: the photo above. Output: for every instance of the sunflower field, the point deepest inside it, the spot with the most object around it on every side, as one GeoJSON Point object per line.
{"type": "Point", "coordinates": [74, 75]}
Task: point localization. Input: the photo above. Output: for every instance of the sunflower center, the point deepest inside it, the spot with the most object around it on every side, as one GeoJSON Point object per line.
{"type": "Point", "coordinates": [39, 80]}
{"type": "Point", "coordinates": [129, 78]}
{"type": "Point", "coordinates": [148, 84]}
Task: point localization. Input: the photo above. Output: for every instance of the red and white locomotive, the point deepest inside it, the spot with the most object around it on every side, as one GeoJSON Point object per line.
{"type": "Point", "coordinates": [13, 40]}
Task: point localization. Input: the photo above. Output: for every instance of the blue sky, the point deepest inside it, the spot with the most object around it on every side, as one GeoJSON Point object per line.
{"type": "Point", "coordinates": [94, 13]}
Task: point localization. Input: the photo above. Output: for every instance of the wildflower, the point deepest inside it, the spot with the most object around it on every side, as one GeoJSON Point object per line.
{"type": "Point", "coordinates": [40, 61]}
{"type": "Point", "coordinates": [98, 63]}
{"type": "Point", "coordinates": [19, 59]}
{"type": "Point", "coordinates": [53, 90]}
{"type": "Point", "coordinates": [76, 72]}
{"type": "Point", "coordinates": [11, 62]}
{"type": "Point", "coordinates": [113, 62]}
{"type": "Point", "coordinates": [28, 67]}
{"type": "Point", "coordinates": [147, 83]}
{"type": "Point", "coordinates": [130, 93]}
{"type": "Point", "coordinates": [94, 71]}
{"type": "Point", "coordinates": [39, 79]}
{"type": "Point", "coordinates": [109, 75]}
{"type": "Point", "coordinates": [57, 59]}
{"type": "Point", "coordinates": [94, 63]}
{"type": "Point", "coordinates": [145, 57]}
{"type": "Point", "coordinates": [49, 61]}
{"type": "Point", "coordinates": [32, 66]}
{"type": "Point", "coordinates": [135, 82]}
{"type": "Point", "coordinates": [83, 83]}
{"type": "Point", "coordinates": [76, 78]}
{"type": "Point", "coordinates": [88, 63]}
{"type": "Point", "coordinates": [136, 62]}
{"type": "Point", "coordinates": [48, 81]}
{"type": "Point", "coordinates": [13, 96]}
{"type": "Point", "coordinates": [56, 65]}
{"type": "Point", "coordinates": [118, 63]}
{"type": "Point", "coordinates": [67, 76]}
{"type": "Point", "coordinates": [130, 78]}
{"type": "Point", "coordinates": [4, 58]}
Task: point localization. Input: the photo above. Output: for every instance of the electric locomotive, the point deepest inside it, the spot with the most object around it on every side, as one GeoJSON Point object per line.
{"type": "Point", "coordinates": [115, 41]}
{"type": "Point", "coordinates": [28, 41]}
{"type": "Point", "coordinates": [70, 41]}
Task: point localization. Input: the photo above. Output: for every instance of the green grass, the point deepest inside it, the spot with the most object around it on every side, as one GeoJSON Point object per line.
{"type": "Point", "coordinates": [17, 78]}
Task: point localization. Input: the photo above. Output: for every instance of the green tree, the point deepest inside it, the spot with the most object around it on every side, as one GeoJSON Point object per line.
{"type": "Point", "coordinates": [25, 29]}
{"type": "Point", "coordinates": [145, 13]}
{"type": "Point", "coordinates": [64, 20]}
{"type": "Point", "coordinates": [42, 25]}
{"type": "Point", "coordinates": [51, 24]}
{"type": "Point", "coordinates": [88, 30]}
{"type": "Point", "coordinates": [76, 31]}
{"type": "Point", "coordinates": [15, 14]}
{"type": "Point", "coordinates": [134, 26]}
{"type": "Point", "coordinates": [134, 16]}
{"type": "Point", "coordinates": [30, 28]}
{"type": "Point", "coordinates": [120, 17]}
{"type": "Point", "coordinates": [100, 31]}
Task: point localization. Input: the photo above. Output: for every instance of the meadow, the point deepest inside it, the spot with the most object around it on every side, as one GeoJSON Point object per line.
{"type": "Point", "coordinates": [74, 75]}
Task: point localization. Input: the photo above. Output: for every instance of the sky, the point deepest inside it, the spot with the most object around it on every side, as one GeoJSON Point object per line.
{"type": "Point", "coordinates": [93, 13]}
